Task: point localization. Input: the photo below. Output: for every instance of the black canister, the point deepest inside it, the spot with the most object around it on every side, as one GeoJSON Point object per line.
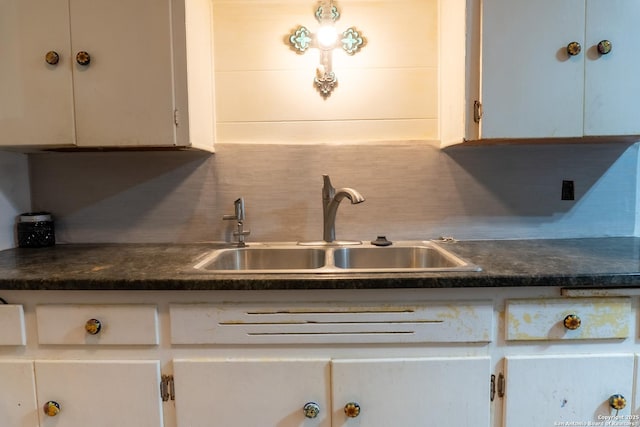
{"type": "Point", "coordinates": [35, 230]}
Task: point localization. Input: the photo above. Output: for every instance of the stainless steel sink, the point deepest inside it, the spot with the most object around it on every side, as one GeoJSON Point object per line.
{"type": "Point", "coordinates": [408, 258]}
{"type": "Point", "coordinates": [421, 256]}
{"type": "Point", "coordinates": [264, 258]}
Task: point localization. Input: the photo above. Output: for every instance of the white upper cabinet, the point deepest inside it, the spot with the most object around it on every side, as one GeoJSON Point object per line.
{"type": "Point", "coordinates": [531, 87]}
{"type": "Point", "coordinates": [126, 93]}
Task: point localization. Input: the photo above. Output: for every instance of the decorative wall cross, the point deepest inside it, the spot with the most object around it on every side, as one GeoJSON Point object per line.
{"type": "Point", "coordinates": [326, 39]}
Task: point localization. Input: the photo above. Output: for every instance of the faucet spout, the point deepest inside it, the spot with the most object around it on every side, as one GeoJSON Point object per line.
{"type": "Point", "coordinates": [331, 199]}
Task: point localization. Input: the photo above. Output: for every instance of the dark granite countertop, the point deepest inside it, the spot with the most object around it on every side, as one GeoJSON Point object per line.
{"type": "Point", "coordinates": [593, 262]}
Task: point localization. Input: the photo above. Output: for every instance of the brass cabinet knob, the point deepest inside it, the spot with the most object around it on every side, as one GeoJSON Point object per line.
{"type": "Point", "coordinates": [617, 402]}
{"type": "Point", "coordinates": [51, 408]}
{"type": "Point", "coordinates": [83, 58]}
{"type": "Point", "coordinates": [573, 48]}
{"type": "Point", "coordinates": [572, 322]}
{"type": "Point", "coordinates": [93, 326]}
{"type": "Point", "coordinates": [604, 47]}
{"type": "Point", "coordinates": [311, 409]}
{"type": "Point", "coordinates": [352, 409]}
{"type": "Point", "coordinates": [52, 57]}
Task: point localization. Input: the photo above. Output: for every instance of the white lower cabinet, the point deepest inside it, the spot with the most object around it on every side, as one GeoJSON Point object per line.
{"type": "Point", "coordinates": [567, 390]}
{"type": "Point", "coordinates": [81, 393]}
{"type": "Point", "coordinates": [399, 392]}
{"type": "Point", "coordinates": [18, 406]}
{"type": "Point", "coordinates": [553, 383]}
{"type": "Point", "coordinates": [437, 360]}
{"type": "Point", "coordinates": [250, 393]}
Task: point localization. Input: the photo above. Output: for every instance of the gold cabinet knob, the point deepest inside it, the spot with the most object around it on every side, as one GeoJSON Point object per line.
{"type": "Point", "coordinates": [93, 326]}
{"type": "Point", "coordinates": [617, 402]}
{"type": "Point", "coordinates": [572, 322]}
{"type": "Point", "coordinates": [604, 47]}
{"type": "Point", "coordinates": [352, 409]}
{"type": "Point", "coordinates": [83, 58]}
{"type": "Point", "coordinates": [573, 48]}
{"type": "Point", "coordinates": [52, 57]}
{"type": "Point", "coordinates": [51, 408]}
{"type": "Point", "coordinates": [311, 409]}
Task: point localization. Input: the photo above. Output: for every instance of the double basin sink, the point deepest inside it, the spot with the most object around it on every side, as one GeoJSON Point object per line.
{"type": "Point", "coordinates": [409, 256]}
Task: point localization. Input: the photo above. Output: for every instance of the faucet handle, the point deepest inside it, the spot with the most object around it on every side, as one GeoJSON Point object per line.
{"type": "Point", "coordinates": [239, 211]}
{"type": "Point", "coordinates": [239, 207]}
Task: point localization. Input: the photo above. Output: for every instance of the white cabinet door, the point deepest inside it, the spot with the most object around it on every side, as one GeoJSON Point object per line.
{"type": "Point", "coordinates": [558, 390]}
{"type": "Point", "coordinates": [125, 95]}
{"type": "Point", "coordinates": [36, 99]}
{"type": "Point", "coordinates": [531, 87]}
{"type": "Point", "coordinates": [612, 88]}
{"type": "Point", "coordinates": [412, 392]}
{"type": "Point", "coordinates": [100, 393]}
{"type": "Point", "coordinates": [18, 406]}
{"type": "Point", "coordinates": [251, 393]}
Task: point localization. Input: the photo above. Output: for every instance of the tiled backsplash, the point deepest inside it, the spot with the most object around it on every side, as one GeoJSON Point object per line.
{"type": "Point", "coordinates": [413, 191]}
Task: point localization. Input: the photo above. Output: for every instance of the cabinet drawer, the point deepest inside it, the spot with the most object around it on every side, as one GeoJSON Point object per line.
{"type": "Point", "coordinates": [12, 321]}
{"type": "Point", "coordinates": [325, 323]}
{"type": "Point", "coordinates": [589, 318]}
{"type": "Point", "coordinates": [118, 324]}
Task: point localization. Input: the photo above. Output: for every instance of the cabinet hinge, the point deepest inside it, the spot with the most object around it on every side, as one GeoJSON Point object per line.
{"type": "Point", "coordinates": [496, 385]}
{"type": "Point", "coordinates": [176, 117]}
{"type": "Point", "coordinates": [167, 391]}
{"type": "Point", "coordinates": [477, 111]}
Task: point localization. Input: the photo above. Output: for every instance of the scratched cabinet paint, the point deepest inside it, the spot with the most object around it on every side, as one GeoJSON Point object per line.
{"type": "Point", "coordinates": [533, 88]}
{"type": "Point", "coordinates": [564, 389]}
{"type": "Point", "coordinates": [567, 319]}
{"type": "Point", "coordinates": [403, 392]}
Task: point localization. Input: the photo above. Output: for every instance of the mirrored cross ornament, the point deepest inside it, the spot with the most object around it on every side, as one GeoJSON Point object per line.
{"type": "Point", "coordinates": [326, 38]}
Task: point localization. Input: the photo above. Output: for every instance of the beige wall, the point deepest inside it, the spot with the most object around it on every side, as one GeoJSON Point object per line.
{"type": "Point", "coordinates": [14, 194]}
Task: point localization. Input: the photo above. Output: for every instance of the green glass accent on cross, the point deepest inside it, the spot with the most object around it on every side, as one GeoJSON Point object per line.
{"type": "Point", "coordinates": [302, 39]}
{"type": "Point", "coordinates": [351, 41]}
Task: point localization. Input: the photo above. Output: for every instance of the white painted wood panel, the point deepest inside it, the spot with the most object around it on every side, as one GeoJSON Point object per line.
{"type": "Point", "coordinates": [12, 321]}
{"type": "Point", "coordinates": [408, 94]}
{"type": "Point", "coordinates": [36, 105]}
{"type": "Point", "coordinates": [251, 392]}
{"type": "Point", "coordinates": [263, 83]}
{"type": "Point", "coordinates": [550, 390]}
{"type": "Point", "coordinates": [18, 406]}
{"type": "Point", "coordinates": [122, 324]}
{"type": "Point", "coordinates": [412, 392]}
{"type": "Point", "coordinates": [125, 96]}
{"type": "Point", "coordinates": [543, 319]}
{"type": "Point", "coordinates": [317, 131]}
{"type": "Point", "coordinates": [252, 35]}
{"type": "Point", "coordinates": [123, 393]}
{"type": "Point", "coordinates": [291, 323]}
{"type": "Point", "coordinates": [193, 73]}
{"type": "Point", "coordinates": [611, 87]}
{"type": "Point", "coordinates": [530, 86]}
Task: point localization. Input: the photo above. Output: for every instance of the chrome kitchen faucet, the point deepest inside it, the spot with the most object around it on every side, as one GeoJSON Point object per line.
{"type": "Point", "coordinates": [239, 216]}
{"type": "Point", "coordinates": [331, 199]}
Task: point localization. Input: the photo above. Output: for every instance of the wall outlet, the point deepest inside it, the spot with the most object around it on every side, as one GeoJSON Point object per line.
{"type": "Point", "coordinates": [568, 192]}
